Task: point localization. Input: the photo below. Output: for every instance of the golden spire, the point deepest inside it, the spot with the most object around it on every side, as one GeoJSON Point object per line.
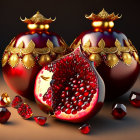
{"type": "Point", "coordinates": [38, 22]}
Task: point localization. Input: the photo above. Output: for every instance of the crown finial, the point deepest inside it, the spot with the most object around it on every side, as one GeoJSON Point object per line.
{"type": "Point", "coordinates": [38, 18]}
{"type": "Point", "coordinates": [103, 20]}
{"type": "Point", "coordinates": [103, 16]}
{"type": "Point", "coordinates": [38, 22]}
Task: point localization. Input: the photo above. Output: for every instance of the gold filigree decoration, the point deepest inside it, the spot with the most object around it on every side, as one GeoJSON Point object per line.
{"type": "Point", "coordinates": [13, 60]}
{"type": "Point", "coordinates": [112, 60]}
{"type": "Point", "coordinates": [75, 45]}
{"type": "Point", "coordinates": [38, 19]}
{"type": "Point", "coordinates": [5, 59]}
{"type": "Point", "coordinates": [96, 58]}
{"type": "Point", "coordinates": [28, 61]}
{"type": "Point", "coordinates": [103, 16]}
{"type": "Point", "coordinates": [127, 58]}
{"type": "Point", "coordinates": [44, 59]}
{"type": "Point", "coordinates": [13, 53]}
{"type": "Point", "coordinates": [96, 52]}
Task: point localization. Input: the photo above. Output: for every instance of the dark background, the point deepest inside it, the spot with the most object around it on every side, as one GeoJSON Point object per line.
{"type": "Point", "coordinates": [70, 17]}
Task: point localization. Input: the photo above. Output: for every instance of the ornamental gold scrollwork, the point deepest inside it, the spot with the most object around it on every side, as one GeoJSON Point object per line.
{"type": "Point", "coordinates": [13, 55]}
{"type": "Point", "coordinates": [96, 52]}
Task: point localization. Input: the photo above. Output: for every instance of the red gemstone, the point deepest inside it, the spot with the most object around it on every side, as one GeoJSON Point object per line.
{"type": "Point", "coordinates": [134, 99]}
{"type": "Point", "coordinates": [17, 101]}
{"type": "Point", "coordinates": [40, 120]}
{"type": "Point", "coordinates": [119, 111]}
{"type": "Point", "coordinates": [85, 129]}
{"type": "Point", "coordinates": [25, 111]}
{"type": "Point", "coordinates": [4, 115]}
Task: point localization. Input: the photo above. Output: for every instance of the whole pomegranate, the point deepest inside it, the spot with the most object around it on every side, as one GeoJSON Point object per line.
{"type": "Point", "coordinates": [28, 52]}
{"type": "Point", "coordinates": [114, 56]}
{"type": "Point", "coordinates": [70, 88]}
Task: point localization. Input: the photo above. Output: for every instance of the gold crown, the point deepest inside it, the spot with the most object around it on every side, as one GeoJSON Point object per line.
{"type": "Point", "coordinates": [38, 18]}
{"type": "Point", "coordinates": [103, 16]}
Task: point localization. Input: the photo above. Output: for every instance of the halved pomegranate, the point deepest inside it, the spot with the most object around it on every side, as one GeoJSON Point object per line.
{"type": "Point", "coordinates": [70, 87]}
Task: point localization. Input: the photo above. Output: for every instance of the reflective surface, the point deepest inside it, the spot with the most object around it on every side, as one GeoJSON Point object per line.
{"type": "Point", "coordinates": [21, 79]}
{"type": "Point", "coordinates": [121, 77]}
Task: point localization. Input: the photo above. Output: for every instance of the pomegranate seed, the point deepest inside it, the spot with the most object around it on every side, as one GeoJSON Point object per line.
{"type": "Point", "coordinates": [63, 92]}
{"type": "Point", "coordinates": [93, 84]}
{"type": "Point", "coordinates": [71, 79]}
{"type": "Point", "coordinates": [63, 100]}
{"type": "Point", "coordinates": [87, 104]}
{"type": "Point", "coordinates": [82, 84]}
{"type": "Point", "coordinates": [84, 98]}
{"type": "Point", "coordinates": [119, 111]}
{"type": "Point", "coordinates": [77, 93]}
{"type": "Point", "coordinates": [75, 86]}
{"type": "Point", "coordinates": [79, 82]}
{"type": "Point", "coordinates": [73, 98]}
{"type": "Point", "coordinates": [85, 129]}
{"type": "Point", "coordinates": [40, 120]}
{"type": "Point", "coordinates": [93, 91]}
{"type": "Point", "coordinates": [68, 105]}
{"type": "Point", "coordinates": [86, 93]}
{"type": "Point", "coordinates": [134, 99]}
{"type": "Point", "coordinates": [4, 115]}
{"type": "Point", "coordinates": [82, 89]}
{"type": "Point", "coordinates": [59, 107]}
{"type": "Point", "coordinates": [83, 106]}
{"type": "Point", "coordinates": [75, 102]}
{"type": "Point", "coordinates": [17, 101]}
{"type": "Point", "coordinates": [80, 103]}
{"type": "Point", "coordinates": [71, 106]}
{"type": "Point", "coordinates": [25, 111]}
{"type": "Point", "coordinates": [77, 89]}
{"type": "Point", "coordinates": [62, 95]}
{"type": "Point", "coordinates": [67, 88]}
{"type": "Point", "coordinates": [74, 111]}
{"type": "Point", "coordinates": [81, 97]}
{"type": "Point", "coordinates": [78, 76]}
{"type": "Point", "coordinates": [74, 81]}
{"type": "Point", "coordinates": [68, 111]}
{"type": "Point", "coordinates": [58, 112]}
{"type": "Point", "coordinates": [88, 87]}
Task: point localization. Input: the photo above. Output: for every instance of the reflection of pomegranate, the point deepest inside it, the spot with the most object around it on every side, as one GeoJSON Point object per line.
{"type": "Point", "coordinates": [28, 52]}
{"type": "Point", "coordinates": [115, 57]}
{"type": "Point", "coordinates": [70, 87]}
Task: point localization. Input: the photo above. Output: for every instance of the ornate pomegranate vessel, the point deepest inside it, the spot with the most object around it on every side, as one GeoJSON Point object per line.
{"type": "Point", "coordinates": [28, 52]}
{"type": "Point", "coordinates": [115, 57]}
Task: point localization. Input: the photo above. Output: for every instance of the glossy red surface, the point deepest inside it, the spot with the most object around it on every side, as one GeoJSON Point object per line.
{"type": "Point", "coordinates": [119, 79]}
{"type": "Point", "coordinates": [21, 79]}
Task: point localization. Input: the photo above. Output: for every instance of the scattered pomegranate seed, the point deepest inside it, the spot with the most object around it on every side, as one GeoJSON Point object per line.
{"type": "Point", "coordinates": [25, 111]}
{"type": "Point", "coordinates": [134, 99]}
{"type": "Point", "coordinates": [4, 115]}
{"type": "Point", "coordinates": [40, 120]}
{"type": "Point", "coordinates": [17, 101]}
{"type": "Point", "coordinates": [119, 111]}
{"type": "Point", "coordinates": [85, 129]}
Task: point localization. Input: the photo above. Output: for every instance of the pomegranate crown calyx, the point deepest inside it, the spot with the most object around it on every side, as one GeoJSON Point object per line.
{"type": "Point", "coordinates": [103, 16]}
{"type": "Point", "coordinates": [38, 18]}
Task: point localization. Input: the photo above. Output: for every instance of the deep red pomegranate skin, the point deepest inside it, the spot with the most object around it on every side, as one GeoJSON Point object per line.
{"type": "Point", "coordinates": [19, 78]}
{"type": "Point", "coordinates": [98, 99]}
{"type": "Point", "coordinates": [119, 79]}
